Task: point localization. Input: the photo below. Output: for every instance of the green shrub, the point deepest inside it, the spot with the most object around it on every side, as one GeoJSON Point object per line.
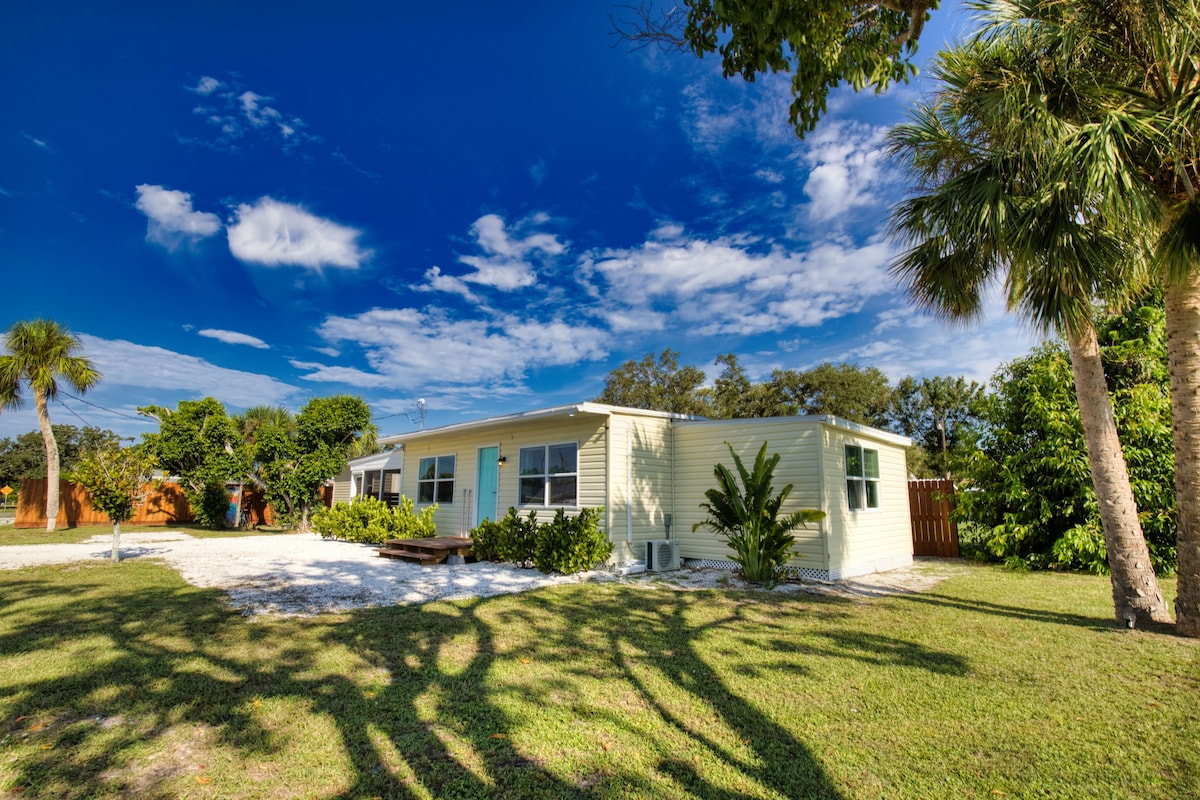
{"type": "Point", "coordinates": [510, 539]}
{"type": "Point", "coordinates": [566, 545]}
{"type": "Point", "coordinates": [571, 544]}
{"type": "Point", "coordinates": [371, 521]}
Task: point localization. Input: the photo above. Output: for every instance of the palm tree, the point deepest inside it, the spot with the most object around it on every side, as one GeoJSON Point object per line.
{"type": "Point", "coordinates": [41, 353]}
{"type": "Point", "coordinates": [1133, 87]}
{"type": "Point", "coordinates": [996, 201]}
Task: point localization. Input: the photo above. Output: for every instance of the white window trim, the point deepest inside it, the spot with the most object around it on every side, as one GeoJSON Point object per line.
{"type": "Point", "coordinates": [862, 480]}
{"type": "Point", "coordinates": [546, 476]}
{"type": "Point", "coordinates": [435, 480]}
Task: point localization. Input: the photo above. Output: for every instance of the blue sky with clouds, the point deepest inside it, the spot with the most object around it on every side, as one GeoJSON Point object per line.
{"type": "Point", "coordinates": [485, 205]}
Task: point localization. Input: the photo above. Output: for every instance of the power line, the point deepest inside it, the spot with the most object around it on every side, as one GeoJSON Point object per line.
{"type": "Point", "coordinates": [102, 408]}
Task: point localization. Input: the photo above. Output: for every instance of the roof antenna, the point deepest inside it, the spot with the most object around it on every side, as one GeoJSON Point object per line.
{"type": "Point", "coordinates": [420, 420]}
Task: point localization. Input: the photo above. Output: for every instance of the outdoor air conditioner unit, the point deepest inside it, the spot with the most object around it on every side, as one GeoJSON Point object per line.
{"type": "Point", "coordinates": [662, 555]}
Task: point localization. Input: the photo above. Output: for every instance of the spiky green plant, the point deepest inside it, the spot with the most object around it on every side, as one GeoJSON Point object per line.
{"type": "Point", "coordinates": [747, 515]}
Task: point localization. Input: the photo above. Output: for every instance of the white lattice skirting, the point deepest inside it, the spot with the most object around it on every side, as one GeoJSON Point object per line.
{"type": "Point", "coordinates": [810, 573]}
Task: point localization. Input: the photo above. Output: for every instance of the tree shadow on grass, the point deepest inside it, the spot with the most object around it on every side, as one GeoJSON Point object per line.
{"type": "Point", "coordinates": [571, 692]}
{"type": "Point", "coordinates": [1012, 612]}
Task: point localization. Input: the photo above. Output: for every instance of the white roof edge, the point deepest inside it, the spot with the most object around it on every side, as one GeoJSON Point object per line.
{"type": "Point", "coordinates": [816, 419]}
{"type": "Point", "coordinates": [865, 430]}
{"type": "Point", "coordinates": [392, 459]}
{"type": "Point", "coordinates": [587, 407]}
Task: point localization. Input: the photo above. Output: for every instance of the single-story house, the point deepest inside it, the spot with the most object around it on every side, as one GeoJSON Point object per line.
{"type": "Point", "coordinates": [649, 471]}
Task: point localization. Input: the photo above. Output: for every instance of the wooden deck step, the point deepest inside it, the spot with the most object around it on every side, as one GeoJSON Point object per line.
{"type": "Point", "coordinates": [431, 550]}
{"type": "Point", "coordinates": [412, 555]}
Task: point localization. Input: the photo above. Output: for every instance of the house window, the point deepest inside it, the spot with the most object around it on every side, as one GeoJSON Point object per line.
{"type": "Point", "coordinates": [435, 480]}
{"type": "Point", "coordinates": [862, 477]}
{"type": "Point", "coordinates": [549, 475]}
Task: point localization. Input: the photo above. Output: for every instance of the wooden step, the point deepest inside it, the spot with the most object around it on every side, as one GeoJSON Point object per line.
{"type": "Point", "coordinates": [412, 555]}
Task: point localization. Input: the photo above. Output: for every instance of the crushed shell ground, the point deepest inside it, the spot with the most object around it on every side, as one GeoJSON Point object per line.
{"type": "Point", "coordinates": [302, 574]}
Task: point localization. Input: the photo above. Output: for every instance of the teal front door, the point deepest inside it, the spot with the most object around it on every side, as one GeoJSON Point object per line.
{"type": "Point", "coordinates": [486, 479]}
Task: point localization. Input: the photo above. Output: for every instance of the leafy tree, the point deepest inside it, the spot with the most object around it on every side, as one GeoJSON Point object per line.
{"type": "Point", "coordinates": [198, 442]}
{"type": "Point", "coordinates": [295, 460]}
{"type": "Point", "coordinates": [41, 354]}
{"type": "Point", "coordinates": [25, 456]}
{"type": "Point", "coordinates": [999, 197]}
{"type": "Point", "coordinates": [747, 515]}
{"type": "Point", "coordinates": [661, 385]}
{"type": "Point", "coordinates": [859, 394]}
{"type": "Point", "coordinates": [734, 396]}
{"type": "Point", "coordinates": [117, 480]}
{"type": "Point", "coordinates": [1028, 484]}
{"type": "Point", "coordinates": [938, 413]}
{"type": "Point", "coordinates": [822, 43]}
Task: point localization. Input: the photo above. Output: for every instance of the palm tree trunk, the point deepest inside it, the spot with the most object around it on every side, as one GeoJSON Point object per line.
{"type": "Point", "coordinates": [1136, 595]}
{"type": "Point", "coordinates": [1183, 351]}
{"type": "Point", "coordinates": [43, 415]}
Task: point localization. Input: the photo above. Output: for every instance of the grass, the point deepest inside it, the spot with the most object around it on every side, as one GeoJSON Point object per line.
{"type": "Point", "coordinates": [122, 681]}
{"type": "Point", "coordinates": [72, 534]}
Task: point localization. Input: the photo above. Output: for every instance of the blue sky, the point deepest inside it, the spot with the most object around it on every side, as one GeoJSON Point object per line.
{"type": "Point", "coordinates": [488, 206]}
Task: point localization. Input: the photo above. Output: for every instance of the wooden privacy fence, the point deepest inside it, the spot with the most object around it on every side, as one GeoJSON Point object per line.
{"type": "Point", "coordinates": [930, 502]}
{"type": "Point", "coordinates": [165, 506]}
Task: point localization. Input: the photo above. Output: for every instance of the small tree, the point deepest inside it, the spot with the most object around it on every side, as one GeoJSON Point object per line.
{"type": "Point", "coordinates": [117, 481]}
{"type": "Point", "coordinates": [748, 516]}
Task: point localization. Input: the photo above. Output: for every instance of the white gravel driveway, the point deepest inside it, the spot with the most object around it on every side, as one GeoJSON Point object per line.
{"type": "Point", "coordinates": [301, 574]}
{"type": "Point", "coordinates": [294, 573]}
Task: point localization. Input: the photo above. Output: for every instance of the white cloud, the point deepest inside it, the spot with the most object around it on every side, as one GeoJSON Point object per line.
{"type": "Point", "coordinates": [171, 216]}
{"type": "Point", "coordinates": [508, 260]}
{"type": "Point", "coordinates": [274, 233]}
{"type": "Point", "coordinates": [437, 282]}
{"type": "Point", "coordinates": [847, 169]}
{"type": "Point", "coordinates": [40, 144]}
{"type": "Point", "coordinates": [233, 337]}
{"type": "Point", "coordinates": [906, 341]}
{"type": "Point", "coordinates": [128, 364]}
{"type": "Point", "coordinates": [207, 86]}
{"type": "Point", "coordinates": [726, 287]}
{"type": "Point", "coordinates": [406, 346]}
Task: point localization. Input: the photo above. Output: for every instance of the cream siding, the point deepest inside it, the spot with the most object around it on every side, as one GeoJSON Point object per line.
{"type": "Point", "coordinates": [700, 446]}
{"type": "Point", "coordinates": [457, 518]}
{"type": "Point", "coordinates": [639, 498]}
{"type": "Point", "coordinates": [341, 486]}
{"type": "Point", "coordinates": [869, 539]}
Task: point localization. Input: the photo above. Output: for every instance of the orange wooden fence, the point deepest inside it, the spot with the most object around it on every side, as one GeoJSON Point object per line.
{"type": "Point", "coordinates": [166, 506]}
{"type": "Point", "coordinates": [930, 502]}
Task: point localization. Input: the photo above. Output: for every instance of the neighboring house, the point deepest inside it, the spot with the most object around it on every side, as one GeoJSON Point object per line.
{"type": "Point", "coordinates": [649, 471]}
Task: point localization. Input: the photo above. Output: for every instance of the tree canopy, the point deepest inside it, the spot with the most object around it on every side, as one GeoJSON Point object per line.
{"type": "Point", "coordinates": [821, 43]}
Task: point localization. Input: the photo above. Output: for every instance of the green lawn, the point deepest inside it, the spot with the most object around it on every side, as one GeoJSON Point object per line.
{"type": "Point", "coordinates": [122, 681]}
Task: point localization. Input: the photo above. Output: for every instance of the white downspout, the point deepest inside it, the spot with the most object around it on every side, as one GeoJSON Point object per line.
{"type": "Point", "coordinates": [629, 486]}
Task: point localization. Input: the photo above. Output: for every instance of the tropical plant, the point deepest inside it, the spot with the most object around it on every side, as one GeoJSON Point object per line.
{"type": "Point", "coordinates": [571, 544]}
{"type": "Point", "coordinates": [513, 538]}
{"type": "Point", "coordinates": [41, 354]}
{"type": "Point", "coordinates": [293, 458]}
{"type": "Point", "coordinates": [117, 481]}
{"type": "Point", "coordinates": [999, 197]}
{"type": "Point", "coordinates": [369, 520]}
{"type": "Point", "coordinates": [199, 443]}
{"type": "Point", "coordinates": [566, 544]}
{"type": "Point", "coordinates": [747, 515]}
